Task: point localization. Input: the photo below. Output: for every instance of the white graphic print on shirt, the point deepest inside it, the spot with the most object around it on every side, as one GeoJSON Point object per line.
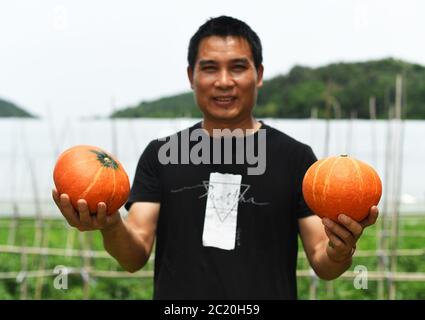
{"type": "Point", "coordinates": [221, 211]}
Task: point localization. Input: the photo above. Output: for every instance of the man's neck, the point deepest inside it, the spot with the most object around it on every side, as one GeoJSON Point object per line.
{"type": "Point", "coordinates": [248, 126]}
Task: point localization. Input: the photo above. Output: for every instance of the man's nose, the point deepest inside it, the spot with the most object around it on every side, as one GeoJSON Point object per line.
{"type": "Point", "coordinates": [224, 80]}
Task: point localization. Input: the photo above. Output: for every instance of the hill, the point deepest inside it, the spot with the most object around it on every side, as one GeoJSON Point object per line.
{"type": "Point", "coordinates": [294, 95]}
{"type": "Point", "coordinates": [8, 109]}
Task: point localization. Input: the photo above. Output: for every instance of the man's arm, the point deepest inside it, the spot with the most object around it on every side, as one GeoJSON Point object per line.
{"type": "Point", "coordinates": [315, 242]}
{"type": "Point", "coordinates": [129, 241]}
{"type": "Point", "coordinates": [329, 246]}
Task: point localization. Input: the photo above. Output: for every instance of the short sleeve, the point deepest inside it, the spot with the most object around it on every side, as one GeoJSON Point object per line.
{"type": "Point", "coordinates": [146, 184]}
{"type": "Point", "coordinates": [307, 159]}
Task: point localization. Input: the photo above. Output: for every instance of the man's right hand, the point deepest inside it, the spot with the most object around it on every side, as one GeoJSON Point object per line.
{"type": "Point", "coordinates": [81, 219]}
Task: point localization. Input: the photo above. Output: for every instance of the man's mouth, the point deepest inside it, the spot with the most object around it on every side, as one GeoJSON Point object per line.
{"type": "Point", "coordinates": [224, 101]}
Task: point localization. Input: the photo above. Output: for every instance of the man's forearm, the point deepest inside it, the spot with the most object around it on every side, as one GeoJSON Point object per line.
{"type": "Point", "coordinates": [327, 268]}
{"type": "Point", "coordinates": [125, 246]}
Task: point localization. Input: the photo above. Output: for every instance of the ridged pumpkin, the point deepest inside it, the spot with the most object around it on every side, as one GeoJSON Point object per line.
{"type": "Point", "coordinates": [336, 185]}
{"type": "Point", "coordinates": [90, 173]}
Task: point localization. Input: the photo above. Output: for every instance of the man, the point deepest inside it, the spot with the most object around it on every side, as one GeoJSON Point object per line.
{"type": "Point", "coordinates": [221, 230]}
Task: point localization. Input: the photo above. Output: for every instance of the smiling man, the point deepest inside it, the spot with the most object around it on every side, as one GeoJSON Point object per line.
{"type": "Point", "coordinates": [222, 231]}
{"type": "Point", "coordinates": [225, 79]}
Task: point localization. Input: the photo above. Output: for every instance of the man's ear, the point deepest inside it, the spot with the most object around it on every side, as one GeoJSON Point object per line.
{"type": "Point", "coordinates": [260, 73]}
{"type": "Point", "coordinates": [190, 75]}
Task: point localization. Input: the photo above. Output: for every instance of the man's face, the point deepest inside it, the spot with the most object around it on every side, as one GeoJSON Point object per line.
{"type": "Point", "coordinates": [225, 80]}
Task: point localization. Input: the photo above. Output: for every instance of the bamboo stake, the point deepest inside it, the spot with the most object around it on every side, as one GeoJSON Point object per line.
{"type": "Point", "coordinates": [70, 240]}
{"type": "Point", "coordinates": [42, 263]}
{"type": "Point", "coordinates": [314, 113]}
{"type": "Point", "coordinates": [372, 117]}
{"type": "Point", "coordinates": [85, 272]}
{"type": "Point", "coordinates": [11, 237]}
{"type": "Point", "coordinates": [383, 258]}
{"type": "Point", "coordinates": [38, 221]}
{"type": "Point", "coordinates": [21, 277]}
{"type": "Point", "coordinates": [46, 226]}
{"type": "Point", "coordinates": [52, 132]}
{"type": "Point", "coordinates": [13, 225]}
{"type": "Point", "coordinates": [398, 180]}
{"type": "Point", "coordinates": [134, 139]}
{"type": "Point", "coordinates": [337, 114]}
{"type": "Point", "coordinates": [349, 145]}
{"type": "Point", "coordinates": [379, 223]}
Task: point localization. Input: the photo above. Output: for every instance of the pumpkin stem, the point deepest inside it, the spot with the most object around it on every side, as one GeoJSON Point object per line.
{"type": "Point", "coordinates": [105, 159]}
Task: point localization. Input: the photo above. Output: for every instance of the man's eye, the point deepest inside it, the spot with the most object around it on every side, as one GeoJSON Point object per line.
{"type": "Point", "coordinates": [239, 68]}
{"type": "Point", "coordinates": [208, 68]}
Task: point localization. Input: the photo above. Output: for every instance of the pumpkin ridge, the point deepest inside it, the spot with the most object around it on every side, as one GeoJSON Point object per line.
{"type": "Point", "coordinates": [329, 178]}
{"type": "Point", "coordinates": [113, 190]}
{"type": "Point", "coordinates": [96, 177]}
{"type": "Point", "coordinates": [358, 173]}
{"type": "Point", "coordinates": [315, 177]}
{"type": "Point", "coordinates": [374, 180]}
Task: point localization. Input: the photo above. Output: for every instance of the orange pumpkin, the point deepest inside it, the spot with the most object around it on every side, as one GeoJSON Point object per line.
{"type": "Point", "coordinates": [336, 185]}
{"type": "Point", "coordinates": [87, 172]}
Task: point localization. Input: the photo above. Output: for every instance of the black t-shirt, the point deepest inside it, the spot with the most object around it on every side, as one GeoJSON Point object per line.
{"type": "Point", "coordinates": [191, 262]}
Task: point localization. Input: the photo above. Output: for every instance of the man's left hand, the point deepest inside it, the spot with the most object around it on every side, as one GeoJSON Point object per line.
{"type": "Point", "coordinates": [344, 235]}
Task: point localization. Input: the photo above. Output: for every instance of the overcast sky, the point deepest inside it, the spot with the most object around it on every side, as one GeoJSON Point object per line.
{"type": "Point", "coordinates": [75, 57]}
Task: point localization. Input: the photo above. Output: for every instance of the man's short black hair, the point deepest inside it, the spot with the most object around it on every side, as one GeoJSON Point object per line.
{"type": "Point", "coordinates": [225, 26]}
